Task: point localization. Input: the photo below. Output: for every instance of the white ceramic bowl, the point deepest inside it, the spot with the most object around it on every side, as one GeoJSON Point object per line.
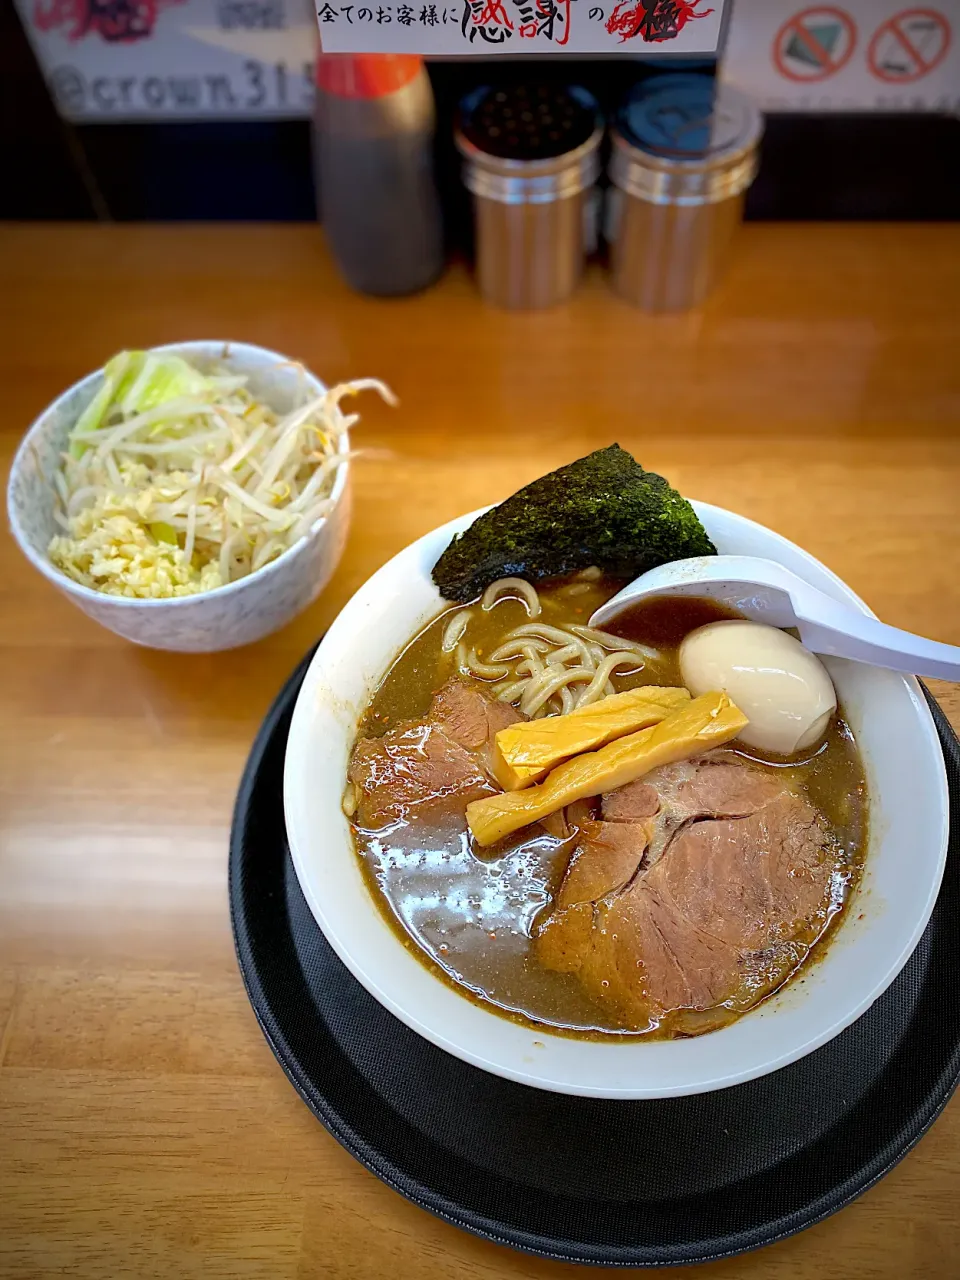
{"type": "Point", "coordinates": [232, 615]}
{"type": "Point", "coordinates": [907, 848]}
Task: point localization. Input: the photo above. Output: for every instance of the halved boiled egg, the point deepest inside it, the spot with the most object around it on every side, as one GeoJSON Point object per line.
{"type": "Point", "coordinates": [781, 687]}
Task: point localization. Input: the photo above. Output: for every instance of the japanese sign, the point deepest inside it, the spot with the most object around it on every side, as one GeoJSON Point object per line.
{"type": "Point", "coordinates": [521, 27]}
{"type": "Point", "coordinates": [191, 59]}
{"type": "Point", "coordinates": [859, 55]}
{"type": "Point", "coordinates": [174, 59]}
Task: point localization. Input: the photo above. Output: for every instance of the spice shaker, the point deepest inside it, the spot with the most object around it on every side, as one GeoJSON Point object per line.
{"type": "Point", "coordinates": [373, 139]}
{"type": "Point", "coordinates": [530, 160]}
{"type": "Point", "coordinates": [684, 153]}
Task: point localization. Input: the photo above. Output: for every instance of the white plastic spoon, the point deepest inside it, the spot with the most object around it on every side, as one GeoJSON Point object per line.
{"type": "Point", "coordinates": [763, 591]}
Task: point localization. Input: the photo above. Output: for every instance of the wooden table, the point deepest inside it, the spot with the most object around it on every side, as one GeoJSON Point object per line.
{"type": "Point", "coordinates": [145, 1128]}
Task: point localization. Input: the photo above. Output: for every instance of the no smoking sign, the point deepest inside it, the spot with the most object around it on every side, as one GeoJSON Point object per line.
{"type": "Point", "coordinates": [849, 55]}
{"type": "Point", "coordinates": [814, 44]}
{"type": "Point", "coordinates": [909, 46]}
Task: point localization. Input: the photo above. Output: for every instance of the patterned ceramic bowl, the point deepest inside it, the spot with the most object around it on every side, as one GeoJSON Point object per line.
{"type": "Point", "coordinates": [228, 616]}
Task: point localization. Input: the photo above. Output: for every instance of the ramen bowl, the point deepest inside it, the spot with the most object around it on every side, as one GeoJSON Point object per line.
{"type": "Point", "coordinates": [907, 841]}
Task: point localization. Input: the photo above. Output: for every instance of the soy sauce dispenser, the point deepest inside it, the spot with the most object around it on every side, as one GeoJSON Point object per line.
{"type": "Point", "coordinates": [373, 138]}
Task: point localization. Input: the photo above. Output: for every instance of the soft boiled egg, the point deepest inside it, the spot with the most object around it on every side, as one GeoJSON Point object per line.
{"type": "Point", "coordinates": [782, 688]}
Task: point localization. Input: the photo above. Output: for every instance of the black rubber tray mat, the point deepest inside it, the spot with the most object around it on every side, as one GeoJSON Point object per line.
{"type": "Point", "coordinates": [617, 1183]}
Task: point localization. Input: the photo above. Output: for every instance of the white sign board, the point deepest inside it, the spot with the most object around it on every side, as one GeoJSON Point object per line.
{"type": "Point", "coordinates": [246, 59]}
{"type": "Point", "coordinates": [175, 59]}
{"type": "Point", "coordinates": [482, 28]}
{"type": "Point", "coordinates": [858, 55]}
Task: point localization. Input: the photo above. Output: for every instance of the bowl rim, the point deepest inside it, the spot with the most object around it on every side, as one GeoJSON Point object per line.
{"type": "Point", "coordinates": [302, 724]}
{"type": "Point", "coordinates": [67, 584]}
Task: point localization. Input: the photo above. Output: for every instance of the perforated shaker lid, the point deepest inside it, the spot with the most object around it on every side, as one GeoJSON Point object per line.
{"type": "Point", "coordinates": [689, 119]}
{"type": "Point", "coordinates": [685, 139]}
{"type": "Point", "coordinates": [528, 122]}
{"type": "Point", "coordinates": [529, 143]}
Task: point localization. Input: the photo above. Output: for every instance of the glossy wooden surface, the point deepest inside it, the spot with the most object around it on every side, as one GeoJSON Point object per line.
{"type": "Point", "coordinates": [145, 1128]}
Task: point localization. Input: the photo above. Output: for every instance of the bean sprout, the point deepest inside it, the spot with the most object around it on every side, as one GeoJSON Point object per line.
{"type": "Point", "coordinates": [198, 490]}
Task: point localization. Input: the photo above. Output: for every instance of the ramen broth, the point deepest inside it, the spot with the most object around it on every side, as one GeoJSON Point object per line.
{"type": "Point", "coordinates": [471, 914]}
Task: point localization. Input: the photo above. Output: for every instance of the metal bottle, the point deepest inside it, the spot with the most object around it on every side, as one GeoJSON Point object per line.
{"type": "Point", "coordinates": [684, 153]}
{"type": "Point", "coordinates": [373, 137]}
{"type": "Point", "coordinates": [530, 161]}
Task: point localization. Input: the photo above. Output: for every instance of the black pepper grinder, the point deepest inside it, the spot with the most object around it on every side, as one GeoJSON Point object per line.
{"type": "Point", "coordinates": [531, 160]}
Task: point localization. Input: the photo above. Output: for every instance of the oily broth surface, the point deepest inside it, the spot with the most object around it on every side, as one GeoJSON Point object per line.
{"type": "Point", "coordinates": [470, 915]}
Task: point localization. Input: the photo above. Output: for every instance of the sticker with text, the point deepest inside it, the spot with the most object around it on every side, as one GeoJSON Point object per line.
{"type": "Point", "coordinates": [472, 27]}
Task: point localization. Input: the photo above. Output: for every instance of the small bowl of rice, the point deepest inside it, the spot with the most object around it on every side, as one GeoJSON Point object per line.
{"type": "Point", "coordinates": [194, 497]}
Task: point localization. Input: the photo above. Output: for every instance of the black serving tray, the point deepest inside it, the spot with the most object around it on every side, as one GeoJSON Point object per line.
{"type": "Point", "coordinates": [585, 1180]}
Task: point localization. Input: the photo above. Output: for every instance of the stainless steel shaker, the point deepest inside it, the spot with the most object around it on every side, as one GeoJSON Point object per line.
{"type": "Point", "coordinates": [530, 160]}
{"type": "Point", "coordinates": [684, 153]}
